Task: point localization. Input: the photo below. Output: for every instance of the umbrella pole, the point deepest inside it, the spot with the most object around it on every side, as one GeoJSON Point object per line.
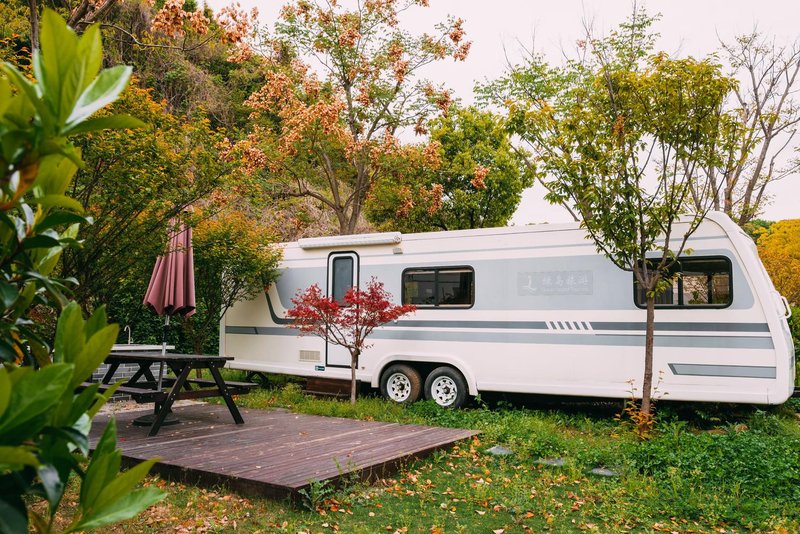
{"type": "Point", "coordinates": [163, 351]}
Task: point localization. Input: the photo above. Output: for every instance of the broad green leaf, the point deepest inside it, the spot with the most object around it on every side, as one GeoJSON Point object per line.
{"type": "Point", "coordinates": [103, 398]}
{"type": "Point", "coordinates": [102, 92]}
{"type": "Point", "coordinates": [18, 374]}
{"type": "Point", "coordinates": [5, 390]}
{"type": "Point", "coordinates": [8, 294]}
{"type": "Point", "coordinates": [58, 44]}
{"type": "Point", "coordinates": [28, 88]}
{"type": "Point", "coordinates": [91, 47]}
{"type": "Point", "coordinates": [84, 426]}
{"type": "Point", "coordinates": [55, 173]}
{"type": "Point", "coordinates": [97, 321]}
{"type": "Point", "coordinates": [52, 484]}
{"type": "Point", "coordinates": [124, 508]}
{"type": "Point", "coordinates": [34, 395]}
{"type": "Point", "coordinates": [11, 456]}
{"type": "Point", "coordinates": [94, 352]}
{"type": "Point", "coordinates": [123, 484]}
{"type": "Point", "coordinates": [102, 123]}
{"type": "Point", "coordinates": [103, 466]}
{"type": "Point", "coordinates": [5, 95]}
{"type": "Point", "coordinates": [58, 218]}
{"type": "Point", "coordinates": [69, 340]}
{"type": "Point", "coordinates": [88, 60]}
{"type": "Point", "coordinates": [82, 402]}
{"type": "Point", "coordinates": [49, 261]}
{"type": "Point", "coordinates": [13, 514]}
{"type": "Point", "coordinates": [58, 201]}
{"type": "Point", "coordinates": [40, 241]}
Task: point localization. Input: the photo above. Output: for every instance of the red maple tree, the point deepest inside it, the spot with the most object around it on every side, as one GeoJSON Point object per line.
{"type": "Point", "coordinates": [347, 323]}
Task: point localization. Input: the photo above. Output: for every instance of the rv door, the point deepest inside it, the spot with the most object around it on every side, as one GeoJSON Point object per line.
{"type": "Point", "coordinates": [342, 275]}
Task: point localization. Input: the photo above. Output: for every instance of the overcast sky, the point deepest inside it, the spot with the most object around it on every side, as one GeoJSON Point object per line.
{"type": "Point", "coordinates": [500, 28]}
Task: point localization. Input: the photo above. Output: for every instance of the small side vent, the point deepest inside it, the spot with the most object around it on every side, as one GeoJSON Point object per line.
{"type": "Point", "coordinates": [309, 356]}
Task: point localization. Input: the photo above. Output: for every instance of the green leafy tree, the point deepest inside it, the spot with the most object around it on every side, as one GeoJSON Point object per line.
{"type": "Point", "coordinates": [473, 179]}
{"type": "Point", "coordinates": [44, 425]}
{"type": "Point", "coordinates": [133, 183]}
{"type": "Point", "coordinates": [233, 261]}
{"type": "Point", "coordinates": [620, 136]}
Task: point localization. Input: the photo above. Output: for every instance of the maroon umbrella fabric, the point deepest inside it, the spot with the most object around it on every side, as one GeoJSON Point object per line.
{"type": "Point", "coordinates": [171, 288]}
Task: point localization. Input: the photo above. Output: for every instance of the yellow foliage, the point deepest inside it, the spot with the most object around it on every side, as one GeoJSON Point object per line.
{"type": "Point", "coordinates": [779, 248]}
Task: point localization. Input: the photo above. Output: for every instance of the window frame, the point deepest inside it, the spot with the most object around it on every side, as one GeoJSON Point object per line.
{"type": "Point", "coordinates": [680, 305]}
{"type": "Point", "coordinates": [333, 256]}
{"type": "Point", "coordinates": [436, 287]}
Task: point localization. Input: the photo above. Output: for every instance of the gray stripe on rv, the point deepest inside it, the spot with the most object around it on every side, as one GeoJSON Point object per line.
{"type": "Point", "coordinates": [733, 371]}
{"type": "Point", "coordinates": [542, 325]}
{"type": "Point", "coordinates": [684, 327]}
{"type": "Point", "coordinates": [736, 342]}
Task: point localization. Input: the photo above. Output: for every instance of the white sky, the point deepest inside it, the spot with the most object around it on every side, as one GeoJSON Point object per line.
{"type": "Point", "coordinates": [499, 28]}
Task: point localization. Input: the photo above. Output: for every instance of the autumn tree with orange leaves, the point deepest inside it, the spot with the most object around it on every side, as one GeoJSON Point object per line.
{"type": "Point", "coordinates": [323, 136]}
{"type": "Point", "coordinates": [176, 24]}
{"type": "Point", "coordinates": [779, 249]}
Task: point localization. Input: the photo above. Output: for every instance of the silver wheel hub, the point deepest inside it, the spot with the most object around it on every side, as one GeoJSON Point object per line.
{"type": "Point", "coordinates": [398, 387]}
{"type": "Point", "coordinates": [444, 391]}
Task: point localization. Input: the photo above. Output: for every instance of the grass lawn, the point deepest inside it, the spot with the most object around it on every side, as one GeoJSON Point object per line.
{"type": "Point", "coordinates": [706, 469]}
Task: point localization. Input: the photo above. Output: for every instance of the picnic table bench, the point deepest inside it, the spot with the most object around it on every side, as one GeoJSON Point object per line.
{"type": "Point", "coordinates": [143, 386]}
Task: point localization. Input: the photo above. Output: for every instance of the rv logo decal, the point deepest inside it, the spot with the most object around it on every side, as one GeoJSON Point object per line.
{"type": "Point", "coordinates": [554, 283]}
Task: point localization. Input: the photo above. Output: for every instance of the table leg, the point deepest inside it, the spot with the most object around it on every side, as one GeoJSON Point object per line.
{"type": "Point", "coordinates": [167, 404]}
{"type": "Point", "coordinates": [112, 368]}
{"type": "Point", "coordinates": [177, 370]}
{"type": "Point", "coordinates": [223, 389]}
{"type": "Point", "coordinates": [144, 370]}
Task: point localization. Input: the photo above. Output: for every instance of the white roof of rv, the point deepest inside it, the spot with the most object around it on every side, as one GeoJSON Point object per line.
{"type": "Point", "coordinates": [394, 238]}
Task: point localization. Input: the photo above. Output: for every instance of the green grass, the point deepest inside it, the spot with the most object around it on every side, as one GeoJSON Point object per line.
{"type": "Point", "coordinates": [706, 468]}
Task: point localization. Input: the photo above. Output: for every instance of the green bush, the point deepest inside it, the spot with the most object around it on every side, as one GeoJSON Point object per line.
{"type": "Point", "coordinates": [761, 462]}
{"type": "Point", "coordinates": [44, 425]}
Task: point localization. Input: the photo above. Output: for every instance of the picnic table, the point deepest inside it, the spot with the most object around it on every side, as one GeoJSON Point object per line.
{"type": "Point", "coordinates": [144, 387]}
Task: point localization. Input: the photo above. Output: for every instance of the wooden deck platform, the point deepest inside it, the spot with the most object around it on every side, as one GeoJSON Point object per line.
{"type": "Point", "coordinates": [275, 453]}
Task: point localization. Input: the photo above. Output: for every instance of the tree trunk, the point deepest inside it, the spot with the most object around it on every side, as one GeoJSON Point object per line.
{"type": "Point", "coordinates": [353, 366]}
{"type": "Point", "coordinates": [647, 383]}
{"type": "Point", "coordinates": [34, 24]}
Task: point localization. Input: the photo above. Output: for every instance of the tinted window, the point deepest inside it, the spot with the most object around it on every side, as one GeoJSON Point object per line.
{"type": "Point", "coordinates": [419, 288]}
{"type": "Point", "coordinates": [445, 287]}
{"type": "Point", "coordinates": [342, 277]}
{"type": "Point", "coordinates": [700, 282]}
{"type": "Point", "coordinates": [706, 281]}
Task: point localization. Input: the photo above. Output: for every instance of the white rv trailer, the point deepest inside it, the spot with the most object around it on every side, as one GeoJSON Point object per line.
{"type": "Point", "coordinates": [532, 309]}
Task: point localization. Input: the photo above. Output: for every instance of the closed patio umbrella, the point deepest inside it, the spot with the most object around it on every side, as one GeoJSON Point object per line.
{"type": "Point", "coordinates": [171, 288]}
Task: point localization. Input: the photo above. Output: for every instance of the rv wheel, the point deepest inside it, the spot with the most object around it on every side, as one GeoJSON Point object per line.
{"type": "Point", "coordinates": [401, 383]}
{"type": "Point", "coordinates": [447, 387]}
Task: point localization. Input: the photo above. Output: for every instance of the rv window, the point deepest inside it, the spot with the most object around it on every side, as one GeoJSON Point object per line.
{"type": "Point", "coordinates": [706, 282]}
{"type": "Point", "coordinates": [701, 282]}
{"type": "Point", "coordinates": [342, 277]}
{"type": "Point", "coordinates": [439, 287]}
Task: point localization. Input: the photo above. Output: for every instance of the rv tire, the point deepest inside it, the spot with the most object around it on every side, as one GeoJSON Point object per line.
{"type": "Point", "coordinates": [401, 383]}
{"type": "Point", "coordinates": [447, 387]}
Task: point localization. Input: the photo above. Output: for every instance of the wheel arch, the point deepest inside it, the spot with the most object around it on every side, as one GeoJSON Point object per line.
{"type": "Point", "coordinates": [430, 361]}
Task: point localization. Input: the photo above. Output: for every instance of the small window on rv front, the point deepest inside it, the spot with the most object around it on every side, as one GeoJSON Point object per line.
{"type": "Point", "coordinates": [451, 287]}
{"type": "Point", "coordinates": [701, 282]}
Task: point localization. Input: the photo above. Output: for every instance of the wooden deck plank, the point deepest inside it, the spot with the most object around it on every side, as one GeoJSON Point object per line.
{"type": "Point", "coordinates": [275, 453]}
